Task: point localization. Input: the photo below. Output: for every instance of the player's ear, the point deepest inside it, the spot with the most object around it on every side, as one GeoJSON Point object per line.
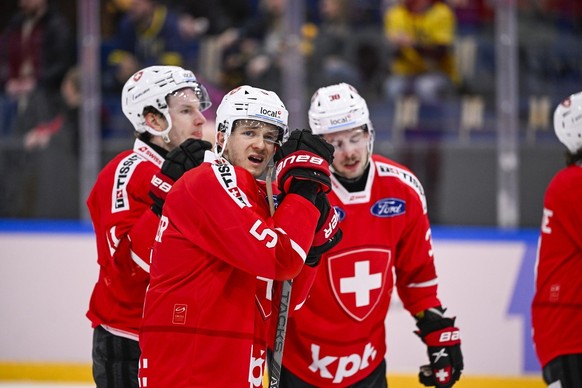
{"type": "Point", "coordinates": [220, 139]}
{"type": "Point", "coordinates": [156, 121]}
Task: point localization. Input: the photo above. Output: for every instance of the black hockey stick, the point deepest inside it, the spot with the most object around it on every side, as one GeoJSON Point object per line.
{"type": "Point", "coordinates": [276, 360]}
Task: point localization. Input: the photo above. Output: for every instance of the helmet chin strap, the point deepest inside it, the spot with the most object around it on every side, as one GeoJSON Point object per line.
{"type": "Point", "coordinates": [165, 134]}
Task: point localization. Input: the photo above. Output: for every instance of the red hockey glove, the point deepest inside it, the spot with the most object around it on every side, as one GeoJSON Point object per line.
{"type": "Point", "coordinates": [443, 341]}
{"type": "Point", "coordinates": [304, 156]}
{"type": "Point", "coordinates": [160, 186]}
{"type": "Point", "coordinates": [327, 234]}
{"type": "Point", "coordinates": [186, 156]}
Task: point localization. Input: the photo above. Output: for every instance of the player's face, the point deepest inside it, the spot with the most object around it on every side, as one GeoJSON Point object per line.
{"type": "Point", "coordinates": [187, 120]}
{"type": "Point", "coordinates": [350, 157]}
{"type": "Point", "coordinates": [251, 145]}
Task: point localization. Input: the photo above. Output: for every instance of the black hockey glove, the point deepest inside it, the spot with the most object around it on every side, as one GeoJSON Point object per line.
{"type": "Point", "coordinates": [327, 234]}
{"type": "Point", "coordinates": [186, 156]}
{"type": "Point", "coordinates": [304, 156]}
{"type": "Point", "coordinates": [443, 341]}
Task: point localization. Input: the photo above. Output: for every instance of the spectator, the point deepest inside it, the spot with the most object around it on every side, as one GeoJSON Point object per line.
{"type": "Point", "coordinates": [54, 150]}
{"type": "Point", "coordinates": [330, 61]}
{"type": "Point", "coordinates": [36, 49]}
{"type": "Point", "coordinates": [220, 251]}
{"type": "Point", "coordinates": [421, 34]}
{"type": "Point", "coordinates": [164, 105]}
{"type": "Point", "coordinates": [254, 56]}
{"type": "Point", "coordinates": [557, 303]}
{"type": "Point", "coordinates": [149, 34]}
{"type": "Point", "coordinates": [338, 337]}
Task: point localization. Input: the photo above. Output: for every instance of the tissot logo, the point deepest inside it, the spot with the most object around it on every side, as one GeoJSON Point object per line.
{"type": "Point", "coordinates": [271, 113]}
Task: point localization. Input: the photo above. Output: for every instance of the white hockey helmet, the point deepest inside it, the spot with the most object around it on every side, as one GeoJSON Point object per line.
{"type": "Point", "coordinates": [338, 108]}
{"type": "Point", "coordinates": [568, 122]}
{"type": "Point", "coordinates": [250, 103]}
{"type": "Point", "coordinates": [149, 87]}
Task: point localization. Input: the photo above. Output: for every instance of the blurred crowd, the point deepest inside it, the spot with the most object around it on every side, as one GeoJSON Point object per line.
{"type": "Point", "coordinates": [432, 50]}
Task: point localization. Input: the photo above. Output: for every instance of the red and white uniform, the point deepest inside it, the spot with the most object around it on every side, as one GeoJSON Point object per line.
{"type": "Point", "coordinates": [216, 255]}
{"type": "Point", "coordinates": [125, 229]}
{"type": "Point", "coordinates": [557, 303]}
{"type": "Point", "coordinates": [338, 336]}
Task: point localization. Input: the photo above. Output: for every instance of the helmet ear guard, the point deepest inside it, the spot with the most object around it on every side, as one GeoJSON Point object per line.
{"type": "Point", "coordinates": [568, 122]}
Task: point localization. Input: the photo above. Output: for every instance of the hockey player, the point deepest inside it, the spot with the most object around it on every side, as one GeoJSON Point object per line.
{"type": "Point", "coordinates": [165, 105]}
{"type": "Point", "coordinates": [557, 303]}
{"type": "Point", "coordinates": [219, 250]}
{"type": "Point", "coordinates": [338, 337]}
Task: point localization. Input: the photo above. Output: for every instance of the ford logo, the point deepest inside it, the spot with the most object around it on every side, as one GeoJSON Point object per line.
{"type": "Point", "coordinates": [388, 207]}
{"type": "Point", "coordinates": [340, 213]}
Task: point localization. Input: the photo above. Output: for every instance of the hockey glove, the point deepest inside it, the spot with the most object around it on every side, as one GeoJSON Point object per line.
{"type": "Point", "coordinates": [186, 156]}
{"type": "Point", "coordinates": [160, 186]}
{"type": "Point", "coordinates": [443, 341]}
{"type": "Point", "coordinates": [304, 156]}
{"type": "Point", "coordinates": [327, 234]}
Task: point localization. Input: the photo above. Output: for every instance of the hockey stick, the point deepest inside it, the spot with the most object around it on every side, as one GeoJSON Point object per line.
{"type": "Point", "coordinates": [276, 361]}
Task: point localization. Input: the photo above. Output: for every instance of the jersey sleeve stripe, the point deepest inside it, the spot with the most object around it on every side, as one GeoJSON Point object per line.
{"type": "Point", "coordinates": [140, 262]}
{"type": "Point", "coordinates": [430, 283]}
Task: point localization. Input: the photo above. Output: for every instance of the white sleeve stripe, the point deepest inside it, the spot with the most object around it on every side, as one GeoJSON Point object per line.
{"type": "Point", "coordinates": [140, 262]}
{"type": "Point", "coordinates": [299, 250]}
{"type": "Point", "coordinates": [430, 283]}
{"type": "Point", "coordinates": [295, 246]}
{"type": "Point", "coordinates": [300, 305]}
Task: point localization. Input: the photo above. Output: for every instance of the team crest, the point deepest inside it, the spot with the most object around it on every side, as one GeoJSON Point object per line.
{"type": "Point", "coordinates": [358, 279]}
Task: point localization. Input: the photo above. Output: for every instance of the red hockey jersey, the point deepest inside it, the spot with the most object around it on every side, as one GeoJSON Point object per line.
{"type": "Point", "coordinates": [216, 255]}
{"type": "Point", "coordinates": [557, 303]}
{"type": "Point", "coordinates": [124, 226]}
{"type": "Point", "coordinates": [338, 336]}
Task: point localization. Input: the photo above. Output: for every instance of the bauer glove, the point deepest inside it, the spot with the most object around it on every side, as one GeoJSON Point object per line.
{"type": "Point", "coordinates": [304, 156]}
{"type": "Point", "coordinates": [443, 343]}
{"type": "Point", "coordinates": [186, 156]}
{"type": "Point", "coordinates": [327, 233]}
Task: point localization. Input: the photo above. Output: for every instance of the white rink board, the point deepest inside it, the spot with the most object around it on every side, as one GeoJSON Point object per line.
{"type": "Point", "coordinates": [46, 280]}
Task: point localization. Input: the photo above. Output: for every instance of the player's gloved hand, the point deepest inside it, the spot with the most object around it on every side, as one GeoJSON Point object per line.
{"type": "Point", "coordinates": [443, 341]}
{"type": "Point", "coordinates": [327, 234]}
{"type": "Point", "coordinates": [186, 156]}
{"type": "Point", "coordinates": [304, 156]}
{"type": "Point", "coordinates": [160, 186]}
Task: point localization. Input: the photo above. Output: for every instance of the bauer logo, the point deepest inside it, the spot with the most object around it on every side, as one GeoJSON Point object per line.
{"type": "Point", "coordinates": [388, 207]}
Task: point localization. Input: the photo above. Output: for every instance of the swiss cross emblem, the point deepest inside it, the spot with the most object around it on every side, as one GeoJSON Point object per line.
{"type": "Point", "coordinates": [443, 375]}
{"type": "Point", "coordinates": [358, 279]}
{"type": "Point", "coordinates": [234, 191]}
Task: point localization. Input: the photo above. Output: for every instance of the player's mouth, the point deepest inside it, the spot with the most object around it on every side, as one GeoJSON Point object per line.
{"type": "Point", "coordinates": [351, 165]}
{"type": "Point", "coordinates": [256, 159]}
